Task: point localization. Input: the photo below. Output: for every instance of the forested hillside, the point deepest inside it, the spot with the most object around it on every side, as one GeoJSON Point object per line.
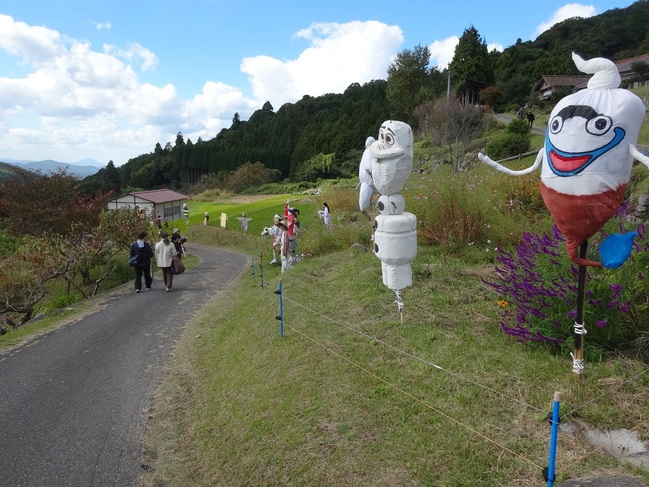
{"type": "Point", "coordinates": [322, 137]}
{"type": "Point", "coordinates": [9, 171]}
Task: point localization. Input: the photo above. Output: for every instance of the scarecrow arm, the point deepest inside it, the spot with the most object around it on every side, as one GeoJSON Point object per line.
{"type": "Point", "coordinates": [501, 168]}
{"type": "Point", "coordinates": [638, 156]}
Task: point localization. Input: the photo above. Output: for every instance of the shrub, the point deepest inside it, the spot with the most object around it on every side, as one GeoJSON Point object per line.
{"type": "Point", "coordinates": [507, 145]}
{"type": "Point", "coordinates": [518, 126]}
{"type": "Point", "coordinates": [537, 289]}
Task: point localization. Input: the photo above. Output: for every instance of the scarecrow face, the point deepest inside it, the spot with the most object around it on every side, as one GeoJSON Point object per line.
{"type": "Point", "coordinates": [596, 134]}
{"type": "Point", "coordinates": [392, 157]}
{"type": "Point", "coordinates": [588, 136]}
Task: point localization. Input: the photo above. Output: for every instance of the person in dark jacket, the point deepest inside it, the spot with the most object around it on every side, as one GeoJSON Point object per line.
{"type": "Point", "coordinates": [143, 250]}
{"type": "Point", "coordinates": [178, 241]}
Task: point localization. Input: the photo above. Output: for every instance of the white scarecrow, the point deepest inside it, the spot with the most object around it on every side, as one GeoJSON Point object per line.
{"type": "Point", "coordinates": [586, 162]}
{"type": "Point", "coordinates": [395, 231]}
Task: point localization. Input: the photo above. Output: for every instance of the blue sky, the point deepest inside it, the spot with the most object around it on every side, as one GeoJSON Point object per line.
{"type": "Point", "coordinates": [108, 79]}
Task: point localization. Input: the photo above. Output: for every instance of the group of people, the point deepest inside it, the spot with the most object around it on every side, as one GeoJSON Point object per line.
{"type": "Point", "coordinates": [166, 250]}
{"type": "Point", "coordinates": [529, 116]}
{"type": "Point", "coordinates": [284, 233]}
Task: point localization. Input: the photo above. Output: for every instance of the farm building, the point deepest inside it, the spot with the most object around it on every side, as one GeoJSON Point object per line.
{"type": "Point", "coordinates": [162, 203]}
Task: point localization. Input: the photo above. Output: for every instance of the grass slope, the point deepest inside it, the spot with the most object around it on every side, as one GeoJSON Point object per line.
{"type": "Point", "coordinates": [351, 396]}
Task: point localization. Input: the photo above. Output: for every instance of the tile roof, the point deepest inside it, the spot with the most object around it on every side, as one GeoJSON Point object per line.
{"type": "Point", "coordinates": [159, 195]}
{"type": "Point", "coordinates": [625, 64]}
{"type": "Point", "coordinates": [564, 79]}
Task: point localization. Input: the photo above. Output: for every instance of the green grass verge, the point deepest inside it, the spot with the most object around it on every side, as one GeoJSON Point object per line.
{"type": "Point", "coordinates": [352, 396]}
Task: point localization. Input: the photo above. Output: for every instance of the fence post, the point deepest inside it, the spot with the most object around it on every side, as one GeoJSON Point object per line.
{"type": "Point", "coordinates": [550, 474]}
{"type": "Point", "coordinates": [280, 317]}
{"type": "Point", "coordinates": [252, 267]}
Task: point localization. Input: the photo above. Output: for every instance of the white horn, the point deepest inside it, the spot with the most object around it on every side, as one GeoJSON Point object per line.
{"type": "Point", "coordinates": [604, 71]}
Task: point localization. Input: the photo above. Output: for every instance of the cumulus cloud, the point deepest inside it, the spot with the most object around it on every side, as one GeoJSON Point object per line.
{"type": "Point", "coordinates": [76, 101]}
{"type": "Point", "coordinates": [338, 55]}
{"type": "Point", "coordinates": [441, 52]}
{"type": "Point", "coordinates": [568, 11]}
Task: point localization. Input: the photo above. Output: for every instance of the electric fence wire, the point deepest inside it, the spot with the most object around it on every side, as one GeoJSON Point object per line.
{"type": "Point", "coordinates": [414, 398]}
{"type": "Point", "coordinates": [415, 357]}
{"type": "Point", "coordinates": [460, 377]}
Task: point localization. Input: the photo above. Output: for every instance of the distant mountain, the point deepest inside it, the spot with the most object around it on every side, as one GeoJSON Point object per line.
{"type": "Point", "coordinates": [81, 169]}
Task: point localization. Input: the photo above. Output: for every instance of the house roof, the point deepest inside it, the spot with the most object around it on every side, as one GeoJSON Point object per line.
{"type": "Point", "coordinates": [624, 65]}
{"type": "Point", "coordinates": [159, 195]}
{"type": "Point", "coordinates": [564, 80]}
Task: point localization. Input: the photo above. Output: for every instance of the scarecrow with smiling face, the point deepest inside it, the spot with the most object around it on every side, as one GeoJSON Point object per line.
{"type": "Point", "coordinates": [587, 159]}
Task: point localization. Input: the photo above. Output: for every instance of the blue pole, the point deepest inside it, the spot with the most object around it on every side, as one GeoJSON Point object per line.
{"type": "Point", "coordinates": [280, 317]}
{"type": "Point", "coordinates": [553, 438]}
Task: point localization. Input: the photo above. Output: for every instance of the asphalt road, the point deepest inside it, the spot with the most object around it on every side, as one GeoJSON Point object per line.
{"type": "Point", "coordinates": [73, 402]}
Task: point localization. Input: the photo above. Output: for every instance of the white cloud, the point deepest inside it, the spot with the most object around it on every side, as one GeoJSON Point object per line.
{"type": "Point", "coordinates": [495, 46]}
{"type": "Point", "coordinates": [442, 52]}
{"type": "Point", "coordinates": [31, 43]}
{"type": "Point", "coordinates": [135, 52]}
{"type": "Point", "coordinates": [568, 11]}
{"type": "Point", "coordinates": [338, 55]}
{"type": "Point", "coordinates": [76, 102]}
{"type": "Point", "coordinates": [101, 25]}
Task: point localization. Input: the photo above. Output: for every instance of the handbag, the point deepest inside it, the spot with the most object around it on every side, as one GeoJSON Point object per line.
{"type": "Point", "coordinates": [178, 266]}
{"type": "Point", "coordinates": [134, 260]}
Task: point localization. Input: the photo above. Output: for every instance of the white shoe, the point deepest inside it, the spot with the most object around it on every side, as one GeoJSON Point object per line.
{"type": "Point", "coordinates": [274, 261]}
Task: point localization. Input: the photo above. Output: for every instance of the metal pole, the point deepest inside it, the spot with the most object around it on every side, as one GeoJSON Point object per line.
{"type": "Point", "coordinates": [252, 267]}
{"type": "Point", "coordinates": [280, 317]}
{"type": "Point", "coordinates": [553, 439]}
{"type": "Point", "coordinates": [579, 328]}
{"type": "Point", "coordinates": [261, 275]}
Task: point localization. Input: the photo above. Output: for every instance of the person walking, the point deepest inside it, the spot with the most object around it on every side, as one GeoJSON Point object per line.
{"type": "Point", "coordinates": [164, 257]}
{"type": "Point", "coordinates": [178, 241]}
{"type": "Point", "coordinates": [530, 119]}
{"type": "Point", "coordinates": [144, 252]}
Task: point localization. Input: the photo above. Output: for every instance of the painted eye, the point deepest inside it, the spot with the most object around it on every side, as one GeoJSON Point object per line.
{"type": "Point", "coordinates": [381, 136]}
{"type": "Point", "coordinates": [389, 139]}
{"type": "Point", "coordinates": [599, 125]}
{"type": "Point", "coordinates": [556, 125]}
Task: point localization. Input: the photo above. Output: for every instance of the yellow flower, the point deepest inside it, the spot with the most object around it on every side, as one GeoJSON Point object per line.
{"type": "Point", "coordinates": [502, 303]}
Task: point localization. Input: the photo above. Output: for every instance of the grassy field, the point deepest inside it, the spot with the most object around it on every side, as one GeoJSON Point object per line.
{"type": "Point", "coordinates": [354, 393]}
{"type": "Point", "coordinates": [350, 395]}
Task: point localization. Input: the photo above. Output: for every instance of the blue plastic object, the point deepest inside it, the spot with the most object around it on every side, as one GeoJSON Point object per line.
{"type": "Point", "coordinates": [616, 248]}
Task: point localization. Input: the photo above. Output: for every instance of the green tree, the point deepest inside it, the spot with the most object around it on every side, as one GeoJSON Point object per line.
{"type": "Point", "coordinates": [471, 69]}
{"type": "Point", "coordinates": [111, 180]}
{"type": "Point", "coordinates": [50, 205]}
{"type": "Point", "coordinates": [408, 80]}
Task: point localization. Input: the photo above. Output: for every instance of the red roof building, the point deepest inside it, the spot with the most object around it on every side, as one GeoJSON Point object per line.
{"type": "Point", "coordinates": [164, 203]}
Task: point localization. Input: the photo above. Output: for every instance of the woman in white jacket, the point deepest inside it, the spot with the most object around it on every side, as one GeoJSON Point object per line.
{"type": "Point", "coordinates": [164, 255]}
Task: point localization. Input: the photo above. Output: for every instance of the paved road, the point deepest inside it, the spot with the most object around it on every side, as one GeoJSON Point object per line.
{"type": "Point", "coordinates": [73, 402]}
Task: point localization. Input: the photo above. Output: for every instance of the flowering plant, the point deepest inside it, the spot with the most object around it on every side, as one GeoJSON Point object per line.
{"type": "Point", "coordinates": [536, 286]}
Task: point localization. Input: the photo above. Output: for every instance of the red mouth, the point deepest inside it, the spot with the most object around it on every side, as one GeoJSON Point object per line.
{"type": "Point", "coordinates": [567, 164]}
